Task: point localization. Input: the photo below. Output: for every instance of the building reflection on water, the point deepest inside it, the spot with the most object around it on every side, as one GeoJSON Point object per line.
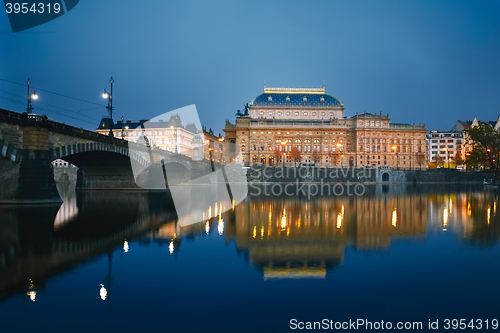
{"type": "Point", "coordinates": [472, 216]}
{"type": "Point", "coordinates": [292, 237]}
{"type": "Point", "coordinates": [284, 237]}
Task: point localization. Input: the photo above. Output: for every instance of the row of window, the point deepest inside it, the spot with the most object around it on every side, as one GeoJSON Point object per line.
{"type": "Point", "coordinates": [295, 113]}
{"type": "Point", "coordinates": [443, 141]}
{"type": "Point", "coordinates": [372, 123]}
{"type": "Point", "coordinates": [449, 146]}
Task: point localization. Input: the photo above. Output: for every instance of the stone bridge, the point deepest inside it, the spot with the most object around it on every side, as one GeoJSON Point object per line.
{"type": "Point", "coordinates": [29, 143]}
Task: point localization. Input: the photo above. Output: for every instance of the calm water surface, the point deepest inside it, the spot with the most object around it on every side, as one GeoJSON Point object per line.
{"type": "Point", "coordinates": [121, 262]}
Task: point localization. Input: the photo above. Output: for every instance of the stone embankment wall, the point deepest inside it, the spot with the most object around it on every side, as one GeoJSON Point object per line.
{"type": "Point", "coordinates": [431, 176]}
{"type": "Point", "coordinates": [65, 174]}
{"type": "Point", "coordinates": [278, 174]}
{"type": "Point", "coordinates": [309, 174]}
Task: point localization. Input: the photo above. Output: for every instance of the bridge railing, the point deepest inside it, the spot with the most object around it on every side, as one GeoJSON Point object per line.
{"type": "Point", "coordinates": [42, 120]}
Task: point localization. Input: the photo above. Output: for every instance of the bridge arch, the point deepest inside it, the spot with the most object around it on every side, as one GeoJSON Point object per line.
{"type": "Point", "coordinates": [385, 177]}
{"type": "Point", "coordinates": [64, 152]}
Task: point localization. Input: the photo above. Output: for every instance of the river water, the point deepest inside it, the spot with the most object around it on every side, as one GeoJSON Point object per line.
{"type": "Point", "coordinates": [122, 262]}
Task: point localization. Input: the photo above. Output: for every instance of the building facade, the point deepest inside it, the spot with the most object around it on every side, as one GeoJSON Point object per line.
{"type": "Point", "coordinates": [446, 149]}
{"type": "Point", "coordinates": [450, 149]}
{"type": "Point", "coordinates": [168, 134]}
{"type": "Point", "coordinates": [287, 126]}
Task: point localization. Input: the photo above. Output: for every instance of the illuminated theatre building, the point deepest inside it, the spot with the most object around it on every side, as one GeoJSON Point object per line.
{"type": "Point", "coordinates": [282, 121]}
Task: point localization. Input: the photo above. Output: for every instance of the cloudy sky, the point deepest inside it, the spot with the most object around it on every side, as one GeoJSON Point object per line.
{"type": "Point", "coordinates": [420, 61]}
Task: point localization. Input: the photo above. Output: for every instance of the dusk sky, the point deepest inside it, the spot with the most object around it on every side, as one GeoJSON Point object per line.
{"type": "Point", "coordinates": [429, 62]}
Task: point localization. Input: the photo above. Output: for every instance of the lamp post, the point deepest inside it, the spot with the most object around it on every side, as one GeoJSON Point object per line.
{"type": "Point", "coordinates": [258, 155]}
{"type": "Point", "coordinates": [340, 148]}
{"type": "Point", "coordinates": [175, 135]}
{"type": "Point", "coordinates": [175, 138]}
{"type": "Point", "coordinates": [446, 156]}
{"type": "Point", "coordinates": [221, 140]}
{"type": "Point", "coordinates": [397, 157]}
{"type": "Point", "coordinates": [283, 143]}
{"type": "Point", "coordinates": [492, 161]}
{"type": "Point", "coordinates": [123, 129]}
{"type": "Point", "coordinates": [34, 96]}
{"type": "Point", "coordinates": [109, 96]}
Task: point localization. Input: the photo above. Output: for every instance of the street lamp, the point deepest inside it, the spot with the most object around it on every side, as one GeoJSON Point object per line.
{"type": "Point", "coordinates": [109, 96]}
{"type": "Point", "coordinates": [397, 157]}
{"type": "Point", "coordinates": [446, 156]}
{"type": "Point", "coordinates": [34, 96]}
{"type": "Point", "coordinates": [220, 139]}
{"type": "Point", "coordinates": [340, 154]}
{"type": "Point", "coordinates": [175, 138]}
{"type": "Point", "coordinates": [283, 143]}
{"type": "Point", "coordinates": [123, 129]}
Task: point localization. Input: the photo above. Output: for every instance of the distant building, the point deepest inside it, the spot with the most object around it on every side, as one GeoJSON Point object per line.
{"type": "Point", "coordinates": [463, 143]}
{"type": "Point", "coordinates": [306, 125]}
{"type": "Point", "coordinates": [444, 148]}
{"type": "Point", "coordinates": [167, 134]}
{"type": "Point", "coordinates": [59, 163]}
{"type": "Point", "coordinates": [214, 146]}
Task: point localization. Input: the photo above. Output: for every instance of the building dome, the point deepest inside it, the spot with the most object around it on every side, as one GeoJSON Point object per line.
{"type": "Point", "coordinates": [314, 97]}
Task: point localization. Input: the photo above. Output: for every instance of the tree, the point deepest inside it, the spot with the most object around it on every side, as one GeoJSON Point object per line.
{"type": "Point", "coordinates": [277, 154]}
{"type": "Point", "coordinates": [295, 155]}
{"type": "Point", "coordinates": [439, 161]}
{"type": "Point", "coordinates": [485, 152]}
{"type": "Point", "coordinates": [458, 159]}
{"type": "Point", "coordinates": [420, 159]}
{"type": "Point", "coordinates": [316, 157]}
{"type": "Point", "coordinates": [334, 158]}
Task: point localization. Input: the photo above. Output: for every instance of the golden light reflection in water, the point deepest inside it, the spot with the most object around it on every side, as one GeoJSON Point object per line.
{"type": "Point", "coordinates": [171, 247]}
{"type": "Point", "coordinates": [340, 217]}
{"type": "Point", "coordinates": [103, 293]}
{"type": "Point", "coordinates": [32, 293]}
{"type": "Point", "coordinates": [254, 232]}
{"type": "Point", "coordinates": [220, 226]}
{"type": "Point", "coordinates": [339, 220]}
{"type": "Point", "coordinates": [125, 246]}
{"type": "Point", "coordinates": [394, 219]}
{"type": "Point", "coordinates": [469, 210]}
{"type": "Point", "coordinates": [283, 219]}
{"type": "Point", "coordinates": [445, 218]}
{"type": "Point", "coordinates": [207, 227]}
{"type": "Point", "coordinates": [488, 214]}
